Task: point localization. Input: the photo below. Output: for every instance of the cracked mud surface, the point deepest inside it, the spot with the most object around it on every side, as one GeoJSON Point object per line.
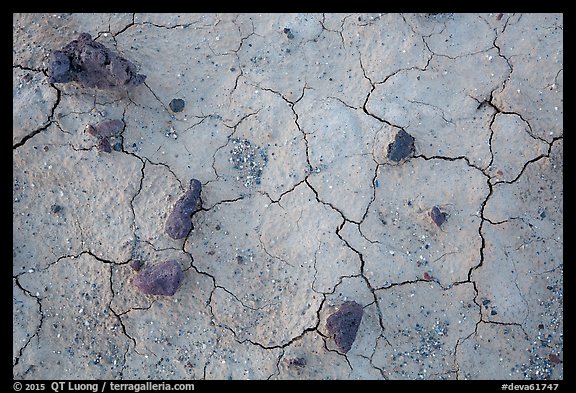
{"type": "Point", "coordinates": [325, 218]}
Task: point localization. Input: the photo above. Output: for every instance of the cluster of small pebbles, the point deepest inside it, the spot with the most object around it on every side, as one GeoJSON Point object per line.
{"type": "Point", "coordinates": [249, 160]}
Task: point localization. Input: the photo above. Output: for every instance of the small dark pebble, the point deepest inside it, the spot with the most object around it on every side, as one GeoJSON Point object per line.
{"type": "Point", "coordinates": [541, 326]}
{"type": "Point", "coordinates": [136, 264]}
{"type": "Point", "coordinates": [27, 78]}
{"type": "Point", "coordinates": [402, 146]}
{"type": "Point", "coordinates": [55, 209]}
{"type": "Point", "coordinates": [427, 276]}
{"type": "Point", "coordinates": [288, 33]}
{"type": "Point", "coordinates": [297, 362]}
{"type": "Point", "coordinates": [493, 312]}
{"type": "Point", "coordinates": [343, 325]}
{"type": "Point", "coordinates": [437, 216]}
{"type": "Point", "coordinates": [239, 258]}
{"type": "Point", "coordinates": [485, 302]}
{"type": "Point", "coordinates": [177, 105]}
{"type": "Point", "coordinates": [179, 222]}
{"type": "Point", "coordinates": [46, 148]}
{"type": "Point", "coordinates": [162, 279]}
{"type": "Point", "coordinates": [117, 146]}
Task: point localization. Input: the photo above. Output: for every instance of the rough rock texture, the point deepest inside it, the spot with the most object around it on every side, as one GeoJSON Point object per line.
{"type": "Point", "coordinates": [179, 222]}
{"type": "Point", "coordinates": [343, 324]}
{"type": "Point", "coordinates": [106, 128]}
{"type": "Point", "coordinates": [161, 279]}
{"type": "Point", "coordinates": [402, 147]}
{"type": "Point", "coordinates": [91, 64]}
{"type": "Point", "coordinates": [105, 131]}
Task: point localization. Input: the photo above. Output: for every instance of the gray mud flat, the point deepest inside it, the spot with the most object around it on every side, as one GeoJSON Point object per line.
{"type": "Point", "coordinates": [410, 163]}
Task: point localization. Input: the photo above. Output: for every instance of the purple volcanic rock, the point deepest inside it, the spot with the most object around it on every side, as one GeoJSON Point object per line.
{"type": "Point", "coordinates": [106, 128]}
{"type": "Point", "coordinates": [343, 325]}
{"type": "Point", "coordinates": [136, 264]}
{"type": "Point", "coordinates": [179, 222]}
{"type": "Point", "coordinates": [91, 64]}
{"type": "Point", "coordinates": [104, 145]}
{"type": "Point", "coordinates": [437, 216]}
{"type": "Point", "coordinates": [162, 279]}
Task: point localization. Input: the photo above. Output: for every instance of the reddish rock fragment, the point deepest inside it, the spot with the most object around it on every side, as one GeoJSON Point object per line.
{"type": "Point", "coordinates": [106, 128]}
{"type": "Point", "coordinates": [136, 264]}
{"type": "Point", "coordinates": [343, 325]}
{"type": "Point", "coordinates": [91, 64]}
{"type": "Point", "coordinates": [179, 222]}
{"type": "Point", "coordinates": [163, 279]}
{"type": "Point", "coordinates": [104, 145]}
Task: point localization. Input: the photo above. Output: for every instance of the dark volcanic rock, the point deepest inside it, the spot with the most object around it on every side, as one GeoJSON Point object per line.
{"type": "Point", "coordinates": [106, 128]}
{"type": "Point", "coordinates": [162, 279]}
{"type": "Point", "coordinates": [104, 145]}
{"type": "Point", "coordinates": [104, 131]}
{"type": "Point", "coordinates": [402, 146]}
{"type": "Point", "coordinates": [437, 216]}
{"type": "Point", "coordinates": [343, 325]}
{"type": "Point", "coordinates": [136, 264]}
{"type": "Point", "coordinates": [288, 33]}
{"type": "Point", "coordinates": [297, 362]}
{"type": "Point", "coordinates": [91, 64]}
{"type": "Point", "coordinates": [177, 105]}
{"type": "Point", "coordinates": [179, 222]}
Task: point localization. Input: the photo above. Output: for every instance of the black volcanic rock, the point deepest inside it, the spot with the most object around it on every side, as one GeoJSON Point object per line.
{"type": "Point", "coordinates": [402, 147]}
{"type": "Point", "coordinates": [177, 105]}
